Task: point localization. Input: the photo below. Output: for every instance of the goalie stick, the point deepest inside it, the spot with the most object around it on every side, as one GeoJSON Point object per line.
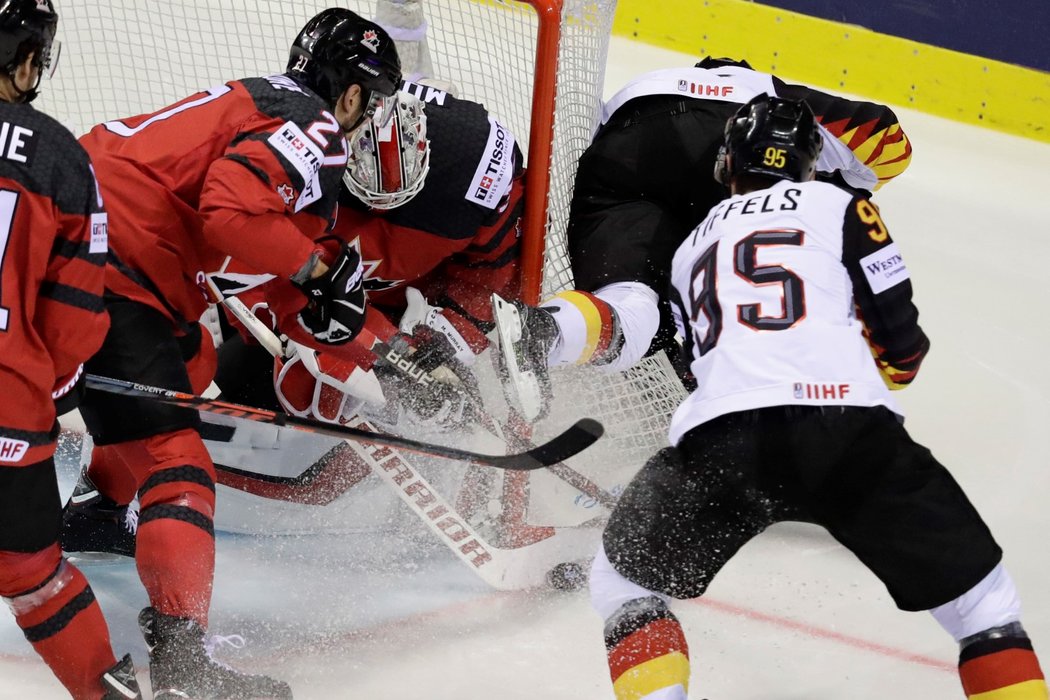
{"type": "Point", "coordinates": [496, 566]}
{"type": "Point", "coordinates": [575, 439]}
{"type": "Point", "coordinates": [269, 340]}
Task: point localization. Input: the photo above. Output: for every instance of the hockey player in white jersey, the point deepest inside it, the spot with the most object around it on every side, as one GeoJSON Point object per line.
{"type": "Point", "coordinates": [784, 294]}
{"type": "Point", "coordinates": [644, 182]}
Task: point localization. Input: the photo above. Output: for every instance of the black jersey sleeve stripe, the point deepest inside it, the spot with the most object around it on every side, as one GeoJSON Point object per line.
{"type": "Point", "coordinates": [509, 225]}
{"type": "Point", "coordinates": [509, 256]}
{"type": "Point", "coordinates": [71, 296]}
{"type": "Point", "coordinates": [65, 248]}
{"type": "Point", "coordinates": [254, 169]}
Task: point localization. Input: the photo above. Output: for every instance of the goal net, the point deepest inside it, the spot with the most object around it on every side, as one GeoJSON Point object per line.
{"type": "Point", "coordinates": [537, 65]}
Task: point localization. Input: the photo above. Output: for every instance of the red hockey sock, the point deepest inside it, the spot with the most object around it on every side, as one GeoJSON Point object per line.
{"type": "Point", "coordinates": [1002, 668]}
{"type": "Point", "coordinates": [60, 617]}
{"type": "Point", "coordinates": [647, 650]}
{"type": "Point", "coordinates": [175, 544]}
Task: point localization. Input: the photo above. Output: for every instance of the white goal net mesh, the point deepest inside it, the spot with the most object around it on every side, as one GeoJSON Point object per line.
{"type": "Point", "coordinates": [126, 57]}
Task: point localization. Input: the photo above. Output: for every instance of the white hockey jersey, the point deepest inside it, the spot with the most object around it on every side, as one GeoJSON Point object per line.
{"type": "Point", "coordinates": [862, 140]}
{"type": "Point", "coordinates": [767, 291]}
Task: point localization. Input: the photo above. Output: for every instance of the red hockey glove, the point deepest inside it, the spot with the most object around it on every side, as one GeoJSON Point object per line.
{"type": "Point", "coordinates": [321, 386]}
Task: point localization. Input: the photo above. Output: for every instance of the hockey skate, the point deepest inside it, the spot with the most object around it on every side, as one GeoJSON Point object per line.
{"type": "Point", "coordinates": [525, 336]}
{"type": "Point", "coordinates": [120, 682]}
{"type": "Point", "coordinates": [181, 667]}
{"type": "Point", "coordinates": [95, 527]}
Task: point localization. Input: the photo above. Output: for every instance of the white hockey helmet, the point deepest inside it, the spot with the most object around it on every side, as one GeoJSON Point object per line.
{"type": "Point", "coordinates": [388, 164]}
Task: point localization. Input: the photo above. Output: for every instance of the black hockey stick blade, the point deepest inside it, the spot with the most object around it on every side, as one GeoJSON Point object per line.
{"type": "Point", "coordinates": [577, 438]}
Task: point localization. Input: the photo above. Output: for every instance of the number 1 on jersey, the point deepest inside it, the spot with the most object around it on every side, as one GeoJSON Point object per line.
{"type": "Point", "coordinates": [8, 203]}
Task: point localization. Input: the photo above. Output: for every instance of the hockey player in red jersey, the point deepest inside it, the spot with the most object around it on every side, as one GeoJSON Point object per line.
{"type": "Point", "coordinates": [433, 204]}
{"type": "Point", "coordinates": [246, 171]}
{"type": "Point", "coordinates": [645, 181]}
{"type": "Point", "coordinates": [52, 251]}
{"type": "Point", "coordinates": [783, 294]}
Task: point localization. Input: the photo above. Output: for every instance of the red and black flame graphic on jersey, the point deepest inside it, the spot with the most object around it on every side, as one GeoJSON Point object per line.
{"type": "Point", "coordinates": [871, 131]}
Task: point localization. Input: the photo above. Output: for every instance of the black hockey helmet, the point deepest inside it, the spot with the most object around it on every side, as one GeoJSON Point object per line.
{"type": "Point", "coordinates": [773, 137]}
{"type": "Point", "coordinates": [28, 26]}
{"type": "Point", "coordinates": [721, 62]}
{"type": "Point", "coordinates": [339, 48]}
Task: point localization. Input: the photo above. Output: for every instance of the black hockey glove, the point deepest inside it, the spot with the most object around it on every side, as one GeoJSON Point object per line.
{"type": "Point", "coordinates": [421, 376]}
{"type": "Point", "coordinates": [335, 311]}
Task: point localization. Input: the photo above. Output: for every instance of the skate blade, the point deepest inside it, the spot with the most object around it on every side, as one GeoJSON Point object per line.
{"type": "Point", "coordinates": [96, 558]}
{"type": "Point", "coordinates": [520, 386]}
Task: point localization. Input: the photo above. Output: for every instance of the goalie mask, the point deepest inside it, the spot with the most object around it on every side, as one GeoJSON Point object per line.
{"type": "Point", "coordinates": [388, 164]}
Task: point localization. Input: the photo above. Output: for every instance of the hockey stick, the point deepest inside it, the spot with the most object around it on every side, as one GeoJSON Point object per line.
{"type": "Point", "coordinates": [269, 340]}
{"type": "Point", "coordinates": [492, 564]}
{"type": "Point", "coordinates": [577, 438]}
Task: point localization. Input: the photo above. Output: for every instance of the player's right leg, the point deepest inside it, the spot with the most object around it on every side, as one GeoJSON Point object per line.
{"type": "Point", "coordinates": [175, 477]}
{"type": "Point", "coordinates": [51, 600]}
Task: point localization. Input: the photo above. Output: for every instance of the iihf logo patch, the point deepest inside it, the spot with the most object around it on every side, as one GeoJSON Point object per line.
{"type": "Point", "coordinates": [683, 86]}
{"type": "Point", "coordinates": [371, 40]}
{"type": "Point", "coordinates": [798, 390]}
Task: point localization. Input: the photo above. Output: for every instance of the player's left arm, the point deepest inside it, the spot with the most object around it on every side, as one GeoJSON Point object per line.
{"type": "Point", "coordinates": [882, 292]}
{"type": "Point", "coordinates": [464, 284]}
{"type": "Point", "coordinates": [871, 131]}
{"type": "Point", "coordinates": [70, 315]}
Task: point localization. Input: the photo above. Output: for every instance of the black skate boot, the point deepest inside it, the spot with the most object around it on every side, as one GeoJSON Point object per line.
{"type": "Point", "coordinates": [120, 682]}
{"type": "Point", "coordinates": [180, 666]}
{"type": "Point", "coordinates": [95, 524]}
{"type": "Point", "coordinates": [526, 335]}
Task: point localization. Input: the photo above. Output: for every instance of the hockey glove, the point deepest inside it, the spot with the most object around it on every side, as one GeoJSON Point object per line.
{"type": "Point", "coordinates": [335, 310]}
{"type": "Point", "coordinates": [420, 314]}
{"type": "Point", "coordinates": [425, 384]}
{"type": "Point", "coordinates": [319, 385]}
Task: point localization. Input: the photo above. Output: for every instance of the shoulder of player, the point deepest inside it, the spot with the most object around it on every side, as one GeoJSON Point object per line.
{"type": "Point", "coordinates": [278, 99]}
{"type": "Point", "coordinates": [44, 152]}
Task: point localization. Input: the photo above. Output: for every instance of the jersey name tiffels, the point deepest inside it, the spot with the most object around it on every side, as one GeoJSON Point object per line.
{"type": "Point", "coordinates": [768, 306]}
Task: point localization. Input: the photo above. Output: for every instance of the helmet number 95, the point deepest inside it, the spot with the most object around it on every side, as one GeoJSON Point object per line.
{"type": "Point", "coordinates": [774, 157]}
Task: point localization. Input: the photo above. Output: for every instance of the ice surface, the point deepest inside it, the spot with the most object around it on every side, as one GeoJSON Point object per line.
{"type": "Point", "coordinates": [392, 616]}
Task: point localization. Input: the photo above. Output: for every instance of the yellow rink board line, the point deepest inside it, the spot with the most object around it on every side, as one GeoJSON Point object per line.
{"type": "Point", "coordinates": [849, 59]}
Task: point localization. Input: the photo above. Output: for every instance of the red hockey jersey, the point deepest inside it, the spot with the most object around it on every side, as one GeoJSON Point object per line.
{"type": "Point", "coordinates": [458, 240]}
{"type": "Point", "coordinates": [52, 252]}
{"type": "Point", "coordinates": [248, 170]}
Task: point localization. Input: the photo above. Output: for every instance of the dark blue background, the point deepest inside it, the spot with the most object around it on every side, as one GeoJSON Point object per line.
{"type": "Point", "coordinates": [1014, 31]}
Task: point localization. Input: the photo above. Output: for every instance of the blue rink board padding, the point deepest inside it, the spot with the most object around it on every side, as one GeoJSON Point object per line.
{"type": "Point", "coordinates": [1012, 31]}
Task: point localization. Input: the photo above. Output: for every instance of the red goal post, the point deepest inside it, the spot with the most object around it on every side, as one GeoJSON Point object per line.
{"type": "Point", "coordinates": [537, 65]}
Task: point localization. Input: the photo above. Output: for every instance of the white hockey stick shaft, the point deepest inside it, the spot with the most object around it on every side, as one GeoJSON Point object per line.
{"type": "Point", "coordinates": [487, 561]}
